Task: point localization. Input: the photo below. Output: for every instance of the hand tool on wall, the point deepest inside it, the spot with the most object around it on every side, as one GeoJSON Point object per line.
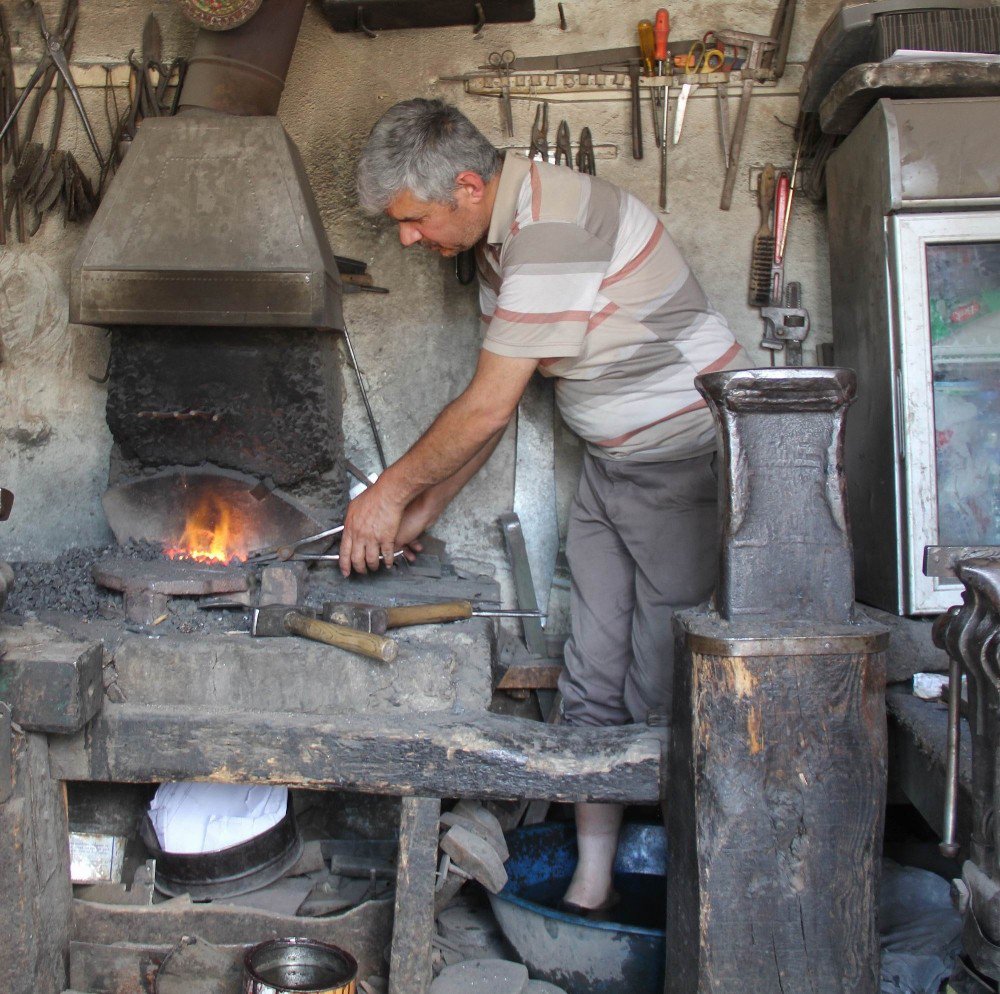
{"type": "Point", "coordinates": [647, 45]}
{"type": "Point", "coordinates": [564, 153]}
{"type": "Point", "coordinates": [539, 147]}
{"type": "Point", "coordinates": [701, 59]}
{"type": "Point", "coordinates": [277, 620]}
{"type": "Point", "coordinates": [372, 618]}
{"type": "Point", "coordinates": [722, 101]}
{"type": "Point", "coordinates": [756, 46]}
{"type": "Point", "coordinates": [786, 326]}
{"type": "Point", "coordinates": [762, 254]}
{"type": "Point", "coordinates": [501, 63]}
{"type": "Point", "coordinates": [781, 196]}
{"type": "Point", "coordinates": [661, 39]}
{"type": "Point", "coordinates": [9, 148]}
{"type": "Point", "coordinates": [55, 60]}
{"type": "Point", "coordinates": [585, 161]}
{"type": "Point", "coordinates": [634, 71]}
{"type": "Point", "coordinates": [781, 30]}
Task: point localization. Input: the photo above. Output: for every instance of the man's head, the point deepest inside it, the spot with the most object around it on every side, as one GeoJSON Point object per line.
{"type": "Point", "coordinates": [428, 167]}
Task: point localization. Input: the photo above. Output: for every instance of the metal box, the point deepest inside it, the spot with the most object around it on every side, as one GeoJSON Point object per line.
{"type": "Point", "coordinates": [914, 226]}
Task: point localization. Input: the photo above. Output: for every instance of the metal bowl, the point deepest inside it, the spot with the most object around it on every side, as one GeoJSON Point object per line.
{"type": "Point", "coordinates": [581, 955]}
{"type": "Point", "coordinates": [238, 869]}
{"type": "Point", "coordinates": [294, 966]}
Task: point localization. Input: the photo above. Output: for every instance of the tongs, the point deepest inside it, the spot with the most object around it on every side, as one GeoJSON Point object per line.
{"type": "Point", "coordinates": [289, 552]}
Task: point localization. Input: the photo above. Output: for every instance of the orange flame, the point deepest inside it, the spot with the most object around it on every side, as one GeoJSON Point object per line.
{"type": "Point", "coordinates": [209, 535]}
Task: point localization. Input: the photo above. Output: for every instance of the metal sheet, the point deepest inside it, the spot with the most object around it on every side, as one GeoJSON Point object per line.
{"type": "Point", "coordinates": [535, 484]}
{"type": "Point", "coordinates": [210, 220]}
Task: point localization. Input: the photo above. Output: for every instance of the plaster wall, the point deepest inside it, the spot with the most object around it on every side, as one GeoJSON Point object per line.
{"type": "Point", "coordinates": [418, 344]}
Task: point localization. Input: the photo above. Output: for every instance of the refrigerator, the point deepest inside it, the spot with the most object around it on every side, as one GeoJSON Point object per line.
{"type": "Point", "coordinates": [913, 199]}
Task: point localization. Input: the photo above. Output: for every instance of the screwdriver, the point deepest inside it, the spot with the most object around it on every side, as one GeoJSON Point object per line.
{"type": "Point", "coordinates": [661, 35]}
{"type": "Point", "coordinates": [647, 45]}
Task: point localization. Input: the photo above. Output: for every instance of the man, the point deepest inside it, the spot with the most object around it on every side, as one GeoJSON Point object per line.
{"type": "Point", "coordinates": [580, 281]}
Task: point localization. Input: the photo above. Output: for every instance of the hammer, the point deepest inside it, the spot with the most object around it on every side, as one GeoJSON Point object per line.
{"type": "Point", "coordinates": [371, 618]}
{"type": "Point", "coordinates": [279, 620]}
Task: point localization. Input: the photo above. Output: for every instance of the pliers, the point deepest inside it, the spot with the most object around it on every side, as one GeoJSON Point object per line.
{"type": "Point", "coordinates": [539, 148]}
{"type": "Point", "coordinates": [585, 162]}
{"type": "Point", "coordinates": [564, 154]}
{"type": "Point", "coordinates": [55, 55]}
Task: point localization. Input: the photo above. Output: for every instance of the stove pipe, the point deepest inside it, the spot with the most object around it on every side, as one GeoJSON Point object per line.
{"type": "Point", "coordinates": [211, 219]}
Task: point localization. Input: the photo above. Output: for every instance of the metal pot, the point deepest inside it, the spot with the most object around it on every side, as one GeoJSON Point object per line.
{"type": "Point", "coordinates": [294, 966]}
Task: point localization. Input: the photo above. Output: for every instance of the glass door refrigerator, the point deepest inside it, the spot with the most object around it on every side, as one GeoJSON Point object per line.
{"type": "Point", "coordinates": [914, 211]}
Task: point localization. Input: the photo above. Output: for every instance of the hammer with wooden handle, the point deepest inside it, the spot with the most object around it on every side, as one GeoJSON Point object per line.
{"type": "Point", "coordinates": [371, 618]}
{"type": "Point", "coordinates": [279, 620]}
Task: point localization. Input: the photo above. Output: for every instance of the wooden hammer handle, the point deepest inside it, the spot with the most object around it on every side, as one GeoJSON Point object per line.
{"type": "Point", "coordinates": [367, 643]}
{"type": "Point", "coordinates": [428, 614]}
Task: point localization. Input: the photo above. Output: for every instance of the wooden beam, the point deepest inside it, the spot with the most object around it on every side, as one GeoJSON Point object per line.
{"type": "Point", "coordinates": [413, 926]}
{"type": "Point", "coordinates": [34, 875]}
{"type": "Point", "coordinates": [436, 755]}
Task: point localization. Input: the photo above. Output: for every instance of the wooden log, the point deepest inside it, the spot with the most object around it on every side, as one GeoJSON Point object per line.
{"type": "Point", "coordinates": [413, 926]}
{"type": "Point", "coordinates": [52, 683]}
{"type": "Point", "coordinates": [775, 816]}
{"type": "Point", "coordinates": [482, 756]}
{"type": "Point", "coordinates": [34, 875]}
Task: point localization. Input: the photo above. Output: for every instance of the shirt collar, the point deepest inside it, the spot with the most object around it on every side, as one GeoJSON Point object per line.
{"type": "Point", "coordinates": [512, 174]}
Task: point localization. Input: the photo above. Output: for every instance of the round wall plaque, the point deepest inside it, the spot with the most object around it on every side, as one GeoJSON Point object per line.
{"type": "Point", "coordinates": [219, 15]}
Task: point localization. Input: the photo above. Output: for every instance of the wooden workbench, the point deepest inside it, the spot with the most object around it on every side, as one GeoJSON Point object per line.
{"type": "Point", "coordinates": [179, 710]}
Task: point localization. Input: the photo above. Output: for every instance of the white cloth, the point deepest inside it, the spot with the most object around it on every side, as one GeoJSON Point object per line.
{"type": "Point", "coordinates": [204, 817]}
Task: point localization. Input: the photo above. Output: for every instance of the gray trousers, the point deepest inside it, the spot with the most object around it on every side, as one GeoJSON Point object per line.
{"type": "Point", "coordinates": [642, 543]}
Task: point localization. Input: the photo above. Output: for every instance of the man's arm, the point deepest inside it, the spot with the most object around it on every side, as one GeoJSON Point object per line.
{"type": "Point", "coordinates": [457, 437]}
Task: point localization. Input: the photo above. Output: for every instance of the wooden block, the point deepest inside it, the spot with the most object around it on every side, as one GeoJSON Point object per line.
{"type": "Point", "coordinates": [479, 821]}
{"type": "Point", "coordinates": [475, 856]}
{"type": "Point", "coordinates": [34, 876]}
{"type": "Point", "coordinates": [413, 928]}
{"type": "Point", "coordinates": [531, 675]}
{"type": "Point", "coordinates": [51, 683]}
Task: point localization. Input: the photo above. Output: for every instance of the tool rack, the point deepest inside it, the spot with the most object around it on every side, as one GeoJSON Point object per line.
{"type": "Point", "coordinates": [609, 84]}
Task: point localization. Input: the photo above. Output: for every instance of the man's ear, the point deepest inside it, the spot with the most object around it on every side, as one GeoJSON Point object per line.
{"type": "Point", "coordinates": [472, 184]}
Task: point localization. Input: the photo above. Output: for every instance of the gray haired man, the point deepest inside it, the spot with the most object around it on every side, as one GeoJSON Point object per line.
{"type": "Point", "coordinates": [579, 281]}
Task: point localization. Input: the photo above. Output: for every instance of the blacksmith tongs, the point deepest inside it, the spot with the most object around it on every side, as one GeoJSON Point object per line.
{"type": "Point", "coordinates": [55, 54]}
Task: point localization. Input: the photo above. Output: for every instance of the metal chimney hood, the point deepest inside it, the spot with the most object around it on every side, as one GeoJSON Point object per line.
{"type": "Point", "coordinates": [210, 221]}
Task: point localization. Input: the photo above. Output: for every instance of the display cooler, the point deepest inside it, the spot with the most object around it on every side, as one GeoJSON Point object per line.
{"type": "Point", "coordinates": [914, 218]}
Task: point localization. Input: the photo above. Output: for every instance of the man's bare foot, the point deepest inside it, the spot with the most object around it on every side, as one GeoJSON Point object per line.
{"type": "Point", "coordinates": [597, 827]}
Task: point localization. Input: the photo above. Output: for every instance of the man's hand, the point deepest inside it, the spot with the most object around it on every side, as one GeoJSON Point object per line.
{"type": "Point", "coordinates": [370, 528]}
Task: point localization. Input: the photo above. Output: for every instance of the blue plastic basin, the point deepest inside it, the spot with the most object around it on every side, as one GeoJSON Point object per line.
{"type": "Point", "coordinates": [577, 954]}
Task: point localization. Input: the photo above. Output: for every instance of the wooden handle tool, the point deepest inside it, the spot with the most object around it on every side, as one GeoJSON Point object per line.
{"type": "Point", "coordinates": [366, 643]}
{"type": "Point", "coordinates": [428, 614]}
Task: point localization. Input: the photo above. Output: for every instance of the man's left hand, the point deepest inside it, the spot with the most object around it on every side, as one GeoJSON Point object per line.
{"type": "Point", "coordinates": [370, 529]}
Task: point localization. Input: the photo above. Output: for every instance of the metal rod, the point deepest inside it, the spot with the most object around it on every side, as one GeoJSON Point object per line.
{"type": "Point", "coordinates": [364, 398]}
{"type": "Point", "coordinates": [948, 846]}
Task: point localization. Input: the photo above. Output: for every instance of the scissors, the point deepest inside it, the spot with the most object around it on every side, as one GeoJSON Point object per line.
{"type": "Point", "coordinates": [700, 59]}
{"type": "Point", "coordinates": [501, 62]}
{"type": "Point", "coordinates": [55, 55]}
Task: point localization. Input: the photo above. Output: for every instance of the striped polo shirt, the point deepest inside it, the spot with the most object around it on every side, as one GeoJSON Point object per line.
{"type": "Point", "coordinates": [581, 275]}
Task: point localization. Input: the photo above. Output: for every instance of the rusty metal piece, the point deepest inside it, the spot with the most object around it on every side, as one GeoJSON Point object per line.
{"type": "Point", "coordinates": [785, 543]}
{"type": "Point", "coordinates": [6, 503]}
